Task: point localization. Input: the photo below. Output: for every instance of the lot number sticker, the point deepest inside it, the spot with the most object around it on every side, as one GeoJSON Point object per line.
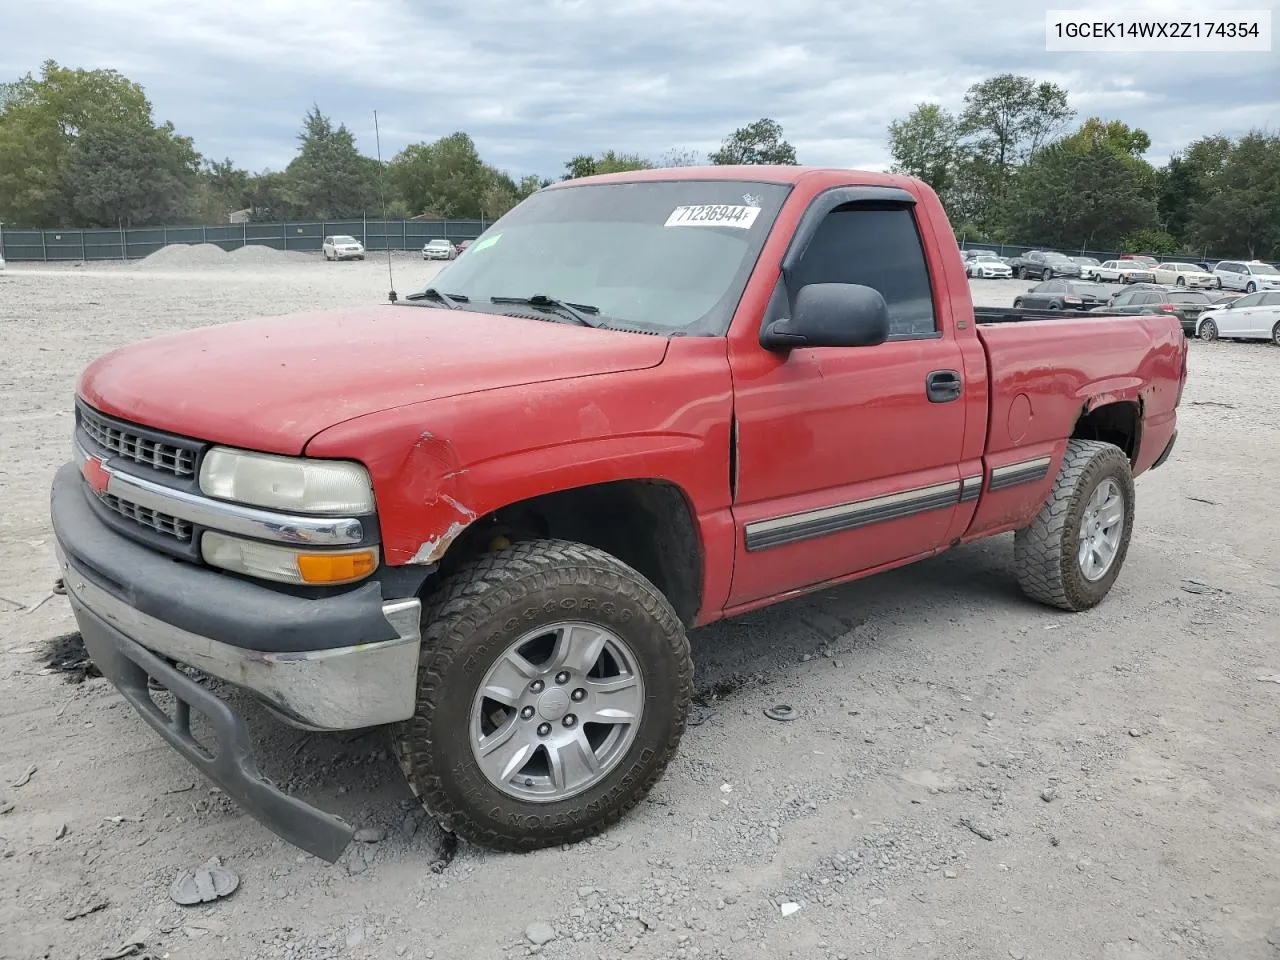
{"type": "Point", "coordinates": [713, 215]}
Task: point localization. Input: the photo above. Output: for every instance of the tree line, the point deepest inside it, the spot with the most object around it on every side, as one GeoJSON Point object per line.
{"type": "Point", "coordinates": [1011, 166]}
{"type": "Point", "coordinates": [83, 148]}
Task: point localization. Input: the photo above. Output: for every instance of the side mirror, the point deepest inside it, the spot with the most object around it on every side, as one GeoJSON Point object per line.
{"type": "Point", "coordinates": [831, 315]}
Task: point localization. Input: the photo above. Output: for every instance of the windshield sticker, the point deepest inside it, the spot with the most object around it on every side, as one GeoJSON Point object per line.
{"type": "Point", "coordinates": [485, 243]}
{"type": "Point", "coordinates": [713, 215]}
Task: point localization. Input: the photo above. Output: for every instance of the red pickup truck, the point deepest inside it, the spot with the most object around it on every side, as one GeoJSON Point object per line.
{"type": "Point", "coordinates": [488, 513]}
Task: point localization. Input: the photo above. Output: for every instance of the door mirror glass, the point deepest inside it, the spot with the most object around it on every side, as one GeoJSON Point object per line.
{"type": "Point", "coordinates": [831, 315]}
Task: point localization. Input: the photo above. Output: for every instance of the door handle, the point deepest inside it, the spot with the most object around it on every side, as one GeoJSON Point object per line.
{"type": "Point", "coordinates": [943, 386]}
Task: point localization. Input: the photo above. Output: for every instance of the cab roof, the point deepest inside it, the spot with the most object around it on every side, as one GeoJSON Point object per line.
{"type": "Point", "coordinates": [759, 173]}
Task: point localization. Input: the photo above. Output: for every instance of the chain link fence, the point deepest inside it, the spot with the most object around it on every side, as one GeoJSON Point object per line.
{"type": "Point", "coordinates": [132, 243]}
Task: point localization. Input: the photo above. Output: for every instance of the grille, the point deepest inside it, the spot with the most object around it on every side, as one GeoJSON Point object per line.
{"type": "Point", "coordinates": [118, 440]}
{"type": "Point", "coordinates": [163, 523]}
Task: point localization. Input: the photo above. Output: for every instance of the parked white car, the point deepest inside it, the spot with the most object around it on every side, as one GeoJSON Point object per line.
{"type": "Point", "coordinates": [342, 247]}
{"type": "Point", "coordinates": [1250, 276]}
{"type": "Point", "coordinates": [439, 250]}
{"type": "Point", "coordinates": [1124, 271]}
{"type": "Point", "coordinates": [1255, 316]}
{"type": "Point", "coordinates": [1184, 275]}
{"type": "Point", "coordinates": [988, 267]}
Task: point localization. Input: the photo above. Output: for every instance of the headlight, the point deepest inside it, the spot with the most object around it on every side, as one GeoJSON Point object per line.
{"type": "Point", "coordinates": [285, 565]}
{"type": "Point", "coordinates": [287, 483]}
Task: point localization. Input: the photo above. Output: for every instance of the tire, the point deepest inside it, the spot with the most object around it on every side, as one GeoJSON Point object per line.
{"type": "Point", "coordinates": [1217, 283]}
{"type": "Point", "coordinates": [476, 622]}
{"type": "Point", "coordinates": [1020, 273]}
{"type": "Point", "coordinates": [1181, 282]}
{"type": "Point", "coordinates": [1275, 334]}
{"type": "Point", "coordinates": [1047, 275]}
{"type": "Point", "coordinates": [1055, 305]}
{"type": "Point", "coordinates": [1208, 331]}
{"type": "Point", "coordinates": [1047, 554]}
{"type": "Point", "coordinates": [1250, 287]}
{"type": "Point", "coordinates": [1017, 303]}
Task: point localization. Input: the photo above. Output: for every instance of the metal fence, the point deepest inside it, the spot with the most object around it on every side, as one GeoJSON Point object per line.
{"type": "Point", "coordinates": [1102, 256]}
{"type": "Point", "coordinates": [135, 242]}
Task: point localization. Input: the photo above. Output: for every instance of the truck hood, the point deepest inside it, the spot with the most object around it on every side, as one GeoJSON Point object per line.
{"type": "Point", "coordinates": [272, 384]}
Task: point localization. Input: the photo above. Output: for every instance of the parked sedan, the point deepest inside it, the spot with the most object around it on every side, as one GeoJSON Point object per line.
{"type": "Point", "coordinates": [439, 250]}
{"type": "Point", "coordinates": [1255, 316]}
{"type": "Point", "coordinates": [342, 247]}
{"type": "Point", "coordinates": [1045, 265]}
{"type": "Point", "coordinates": [1124, 271]}
{"type": "Point", "coordinates": [988, 267]}
{"type": "Point", "coordinates": [1186, 305]}
{"type": "Point", "coordinates": [1084, 263]}
{"type": "Point", "coordinates": [1062, 295]}
{"type": "Point", "coordinates": [1184, 275]}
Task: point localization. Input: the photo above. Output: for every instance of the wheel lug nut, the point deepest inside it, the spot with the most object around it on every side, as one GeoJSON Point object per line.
{"type": "Point", "coordinates": [578, 695]}
{"type": "Point", "coordinates": [527, 713]}
{"type": "Point", "coordinates": [570, 720]}
{"type": "Point", "coordinates": [562, 677]}
{"type": "Point", "coordinates": [536, 686]}
{"type": "Point", "coordinates": [544, 729]}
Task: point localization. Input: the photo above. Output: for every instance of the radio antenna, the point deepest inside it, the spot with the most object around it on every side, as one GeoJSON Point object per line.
{"type": "Point", "coordinates": [382, 186]}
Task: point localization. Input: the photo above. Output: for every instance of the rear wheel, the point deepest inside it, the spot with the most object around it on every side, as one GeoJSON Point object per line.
{"type": "Point", "coordinates": [1208, 331]}
{"type": "Point", "coordinates": [1072, 553]}
{"type": "Point", "coordinates": [1275, 334]}
{"type": "Point", "coordinates": [553, 688]}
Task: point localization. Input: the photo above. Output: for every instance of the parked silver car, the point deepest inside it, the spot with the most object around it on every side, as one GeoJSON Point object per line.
{"type": "Point", "coordinates": [439, 250]}
{"type": "Point", "coordinates": [987, 266]}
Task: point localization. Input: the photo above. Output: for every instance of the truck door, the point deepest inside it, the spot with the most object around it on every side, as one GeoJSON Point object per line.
{"type": "Point", "coordinates": [848, 458]}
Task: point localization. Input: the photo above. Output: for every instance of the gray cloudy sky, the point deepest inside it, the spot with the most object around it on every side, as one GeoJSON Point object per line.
{"type": "Point", "coordinates": [535, 81]}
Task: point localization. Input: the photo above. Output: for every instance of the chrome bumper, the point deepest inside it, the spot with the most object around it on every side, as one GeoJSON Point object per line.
{"type": "Point", "coordinates": [344, 688]}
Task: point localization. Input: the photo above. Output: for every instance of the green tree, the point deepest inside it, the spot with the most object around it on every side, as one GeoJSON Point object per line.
{"type": "Point", "coordinates": [119, 173]}
{"type": "Point", "coordinates": [924, 145]}
{"type": "Point", "coordinates": [585, 165]}
{"type": "Point", "coordinates": [447, 178]}
{"type": "Point", "coordinates": [223, 189]}
{"type": "Point", "coordinates": [1071, 196]}
{"type": "Point", "coordinates": [329, 178]}
{"type": "Point", "coordinates": [1240, 212]}
{"type": "Point", "coordinates": [40, 120]}
{"type": "Point", "coordinates": [758, 142]}
{"type": "Point", "coordinates": [1150, 241]}
{"type": "Point", "coordinates": [1005, 121]}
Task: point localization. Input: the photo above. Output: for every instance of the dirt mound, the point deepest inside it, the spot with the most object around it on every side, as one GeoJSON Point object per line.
{"type": "Point", "coordinates": [184, 255]}
{"type": "Point", "coordinates": [260, 254]}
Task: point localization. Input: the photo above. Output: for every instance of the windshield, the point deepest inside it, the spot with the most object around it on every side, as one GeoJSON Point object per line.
{"type": "Point", "coordinates": [344, 239]}
{"type": "Point", "coordinates": [1264, 268]}
{"type": "Point", "coordinates": [1085, 261]}
{"type": "Point", "coordinates": [1057, 257]}
{"type": "Point", "coordinates": [1189, 297]}
{"type": "Point", "coordinates": [661, 255]}
{"type": "Point", "coordinates": [437, 243]}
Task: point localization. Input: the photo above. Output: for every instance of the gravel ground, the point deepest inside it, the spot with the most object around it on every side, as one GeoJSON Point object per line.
{"type": "Point", "coordinates": [970, 775]}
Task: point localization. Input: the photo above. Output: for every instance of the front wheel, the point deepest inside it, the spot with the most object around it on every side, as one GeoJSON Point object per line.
{"type": "Point", "coordinates": [1208, 331]}
{"type": "Point", "coordinates": [1071, 554]}
{"type": "Point", "coordinates": [1017, 304]}
{"type": "Point", "coordinates": [1182, 282]}
{"type": "Point", "coordinates": [1047, 275]}
{"type": "Point", "coordinates": [1217, 283]}
{"type": "Point", "coordinates": [1250, 287]}
{"type": "Point", "coordinates": [554, 684]}
{"type": "Point", "coordinates": [1275, 334]}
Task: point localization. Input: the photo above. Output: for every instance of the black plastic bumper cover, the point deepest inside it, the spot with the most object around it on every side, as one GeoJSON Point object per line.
{"type": "Point", "coordinates": [229, 762]}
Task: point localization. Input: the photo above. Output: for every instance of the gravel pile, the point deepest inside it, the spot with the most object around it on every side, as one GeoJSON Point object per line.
{"type": "Point", "coordinates": [182, 256]}
{"type": "Point", "coordinates": [262, 255]}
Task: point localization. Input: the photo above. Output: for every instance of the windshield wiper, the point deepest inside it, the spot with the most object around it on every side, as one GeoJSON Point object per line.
{"type": "Point", "coordinates": [578, 311]}
{"type": "Point", "coordinates": [452, 301]}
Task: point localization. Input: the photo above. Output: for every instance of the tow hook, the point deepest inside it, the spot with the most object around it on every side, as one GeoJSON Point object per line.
{"type": "Point", "coordinates": [60, 587]}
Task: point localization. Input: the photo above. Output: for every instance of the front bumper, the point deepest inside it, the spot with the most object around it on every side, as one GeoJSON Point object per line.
{"type": "Point", "coordinates": [345, 661]}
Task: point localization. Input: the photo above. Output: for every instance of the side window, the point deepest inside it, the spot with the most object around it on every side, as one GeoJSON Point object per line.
{"type": "Point", "coordinates": [1152, 298]}
{"type": "Point", "coordinates": [1251, 300]}
{"type": "Point", "coordinates": [1055, 286]}
{"type": "Point", "coordinates": [878, 247]}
